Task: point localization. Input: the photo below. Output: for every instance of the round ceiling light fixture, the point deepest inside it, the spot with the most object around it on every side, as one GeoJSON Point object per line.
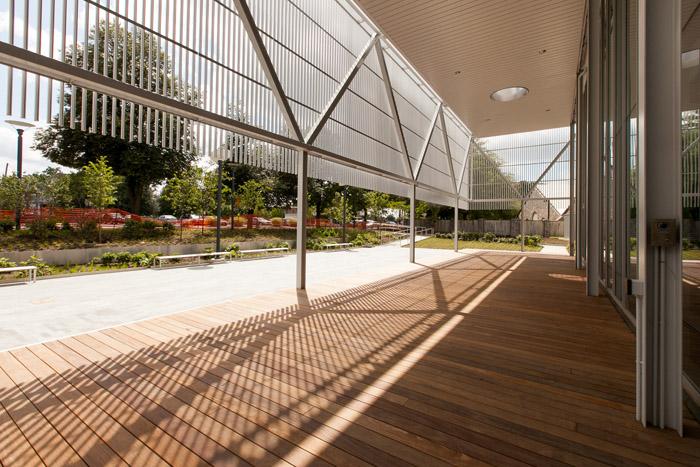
{"type": "Point", "coordinates": [509, 94]}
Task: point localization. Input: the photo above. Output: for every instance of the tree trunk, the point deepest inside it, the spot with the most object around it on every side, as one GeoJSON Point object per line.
{"type": "Point", "coordinates": [135, 193]}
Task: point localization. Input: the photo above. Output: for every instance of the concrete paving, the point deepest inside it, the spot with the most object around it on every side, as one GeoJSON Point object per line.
{"type": "Point", "coordinates": [55, 308]}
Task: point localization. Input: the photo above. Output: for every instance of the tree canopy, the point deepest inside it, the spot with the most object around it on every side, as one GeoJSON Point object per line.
{"type": "Point", "coordinates": [90, 119]}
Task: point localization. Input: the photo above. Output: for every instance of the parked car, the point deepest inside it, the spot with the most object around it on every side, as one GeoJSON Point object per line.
{"type": "Point", "coordinates": [167, 218]}
{"type": "Point", "coordinates": [263, 221]}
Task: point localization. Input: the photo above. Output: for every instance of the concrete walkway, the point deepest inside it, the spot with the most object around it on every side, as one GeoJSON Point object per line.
{"type": "Point", "coordinates": [55, 308]}
{"type": "Point", "coordinates": [554, 250]}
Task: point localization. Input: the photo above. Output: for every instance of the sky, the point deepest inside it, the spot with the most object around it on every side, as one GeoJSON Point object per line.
{"type": "Point", "coordinates": [32, 161]}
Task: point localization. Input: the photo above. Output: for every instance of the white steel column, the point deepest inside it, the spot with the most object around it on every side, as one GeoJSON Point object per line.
{"type": "Point", "coordinates": [302, 209]}
{"type": "Point", "coordinates": [572, 187]}
{"type": "Point", "coordinates": [412, 226]}
{"type": "Point", "coordinates": [659, 309]}
{"type": "Point", "coordinates": [581, 165]}
{"type": "Point", "coordinates": [595, 143]}
{"type": "Point", "coordinates": [456, 232]}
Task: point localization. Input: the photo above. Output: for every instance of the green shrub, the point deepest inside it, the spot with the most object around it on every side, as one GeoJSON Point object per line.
{"type": "Point", "coordinates": [107, 258]}
{"type": "Point", "coordinates": [488, 237]}
{"type": "Point", "coordinates": [366, 239]}
{"type": "Point", "coordinates": [6, 263]}
{"type": "Point", "coordinates": [41, 228]}
{"type": "Point", "coordinates": [469, 236]}
{"type": "Point", "coordinates": [42, 269]}
{"type": "Point", "coordinates": [87, 230]}
{"type": "Point", "coordinates": [323, 232]}
{"type": "Point", "coordinates": [142, 258]}
{"type": "Point", "coordinates": [6, 225]}
{"type": "Point", "coordinates": [135, 230]}
{"type": "Point", "coordinates": [234, 248]}
{"type": "Point", "coordinates": [277, 244]}
{"type": "Point", "coordinates": [314, 244]}
{"type": "Point", "coordinates": [168, 229]}
{"type": "Point", "coordinates": [66, 226]}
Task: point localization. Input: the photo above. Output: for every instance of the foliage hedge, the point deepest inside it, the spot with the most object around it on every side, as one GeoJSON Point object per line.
{"type": "Point", "coordinates": [490, 237]}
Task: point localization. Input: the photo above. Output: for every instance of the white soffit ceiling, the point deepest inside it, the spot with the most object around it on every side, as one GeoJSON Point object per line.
{"type": "Point", "coordinates": [467, 49]}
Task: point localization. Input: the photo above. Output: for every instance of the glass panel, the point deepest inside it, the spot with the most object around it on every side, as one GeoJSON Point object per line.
{"type": "Point", "coordinates": [690, 163]}
{"type": "Point", "coordinates": [632, 171]}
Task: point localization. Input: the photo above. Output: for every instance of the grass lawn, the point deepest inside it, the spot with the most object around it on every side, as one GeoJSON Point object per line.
{"type": "Point", "coordinates": [448, 244]}
{"type": "Point", "coordinates": [691, 254]}
{"type": "Point", "coordinates": [687, 254]}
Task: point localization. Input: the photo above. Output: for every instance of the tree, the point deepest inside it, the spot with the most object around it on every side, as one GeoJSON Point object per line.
{"type": "Point", "coordinates": [17, 192]}
{"type": "Point", "coordinates": [53, 187]}
{"type": "Point", "coordinates": [376, 203]}
{"type": "Point", "coordinates": [321, 193]}
{"type": "Point", "coordinates": [100, 185]}
{"type": "Point", "coordinates": [184, 193]}
{"type": "Point", "coordinates": [251, 196]}
{"type": "Point", "coordinates": [340, 209]}
{"type": "Point", "coordinates": [402, 206]}
{"type": "Point", "coordinates": [139, 163]}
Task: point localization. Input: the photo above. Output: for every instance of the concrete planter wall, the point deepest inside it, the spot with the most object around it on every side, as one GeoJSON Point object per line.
{"type": "Point", "coordinates": [85, 255]}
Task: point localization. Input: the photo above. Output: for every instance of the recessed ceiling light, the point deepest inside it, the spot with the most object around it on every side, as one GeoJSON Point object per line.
{"type": "Point", "coordinates": [509, 94]}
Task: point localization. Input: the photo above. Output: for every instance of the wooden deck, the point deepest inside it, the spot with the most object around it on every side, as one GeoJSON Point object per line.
{"type": "Point", "coordinates": [497, 359]}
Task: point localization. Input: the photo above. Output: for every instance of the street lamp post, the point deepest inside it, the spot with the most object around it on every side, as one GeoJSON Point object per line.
{"type": "Point", "coordinates": [20, 126]}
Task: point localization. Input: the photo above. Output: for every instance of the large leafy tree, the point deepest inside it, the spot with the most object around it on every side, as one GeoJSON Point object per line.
{"type": "Point", "coordinates": [321, 194]}
{"type": "Point", "coordinates": [376, 203]}
{"type": "Point", "coordinates": [89, 119]}
{"type": "Point", "coordinates": [184, 193]}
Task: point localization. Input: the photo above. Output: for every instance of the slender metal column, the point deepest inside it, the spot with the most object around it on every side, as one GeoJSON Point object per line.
{"type": "Point", "coordinates": [572, 187]}
{"type": "Point", "coordinates": [522, 225]}
{"type": "Point", "coordinates": [219, 175]}
{"type": "Point", "coordinates": [581, 164]}
{"type": "Point", "coordinates": [659, 308]}
{"type": "Point", "coordinates": [302, 209]}
{"type": "Point", "coordinates": [20, 202]}
{"type": "Point", "coordinates": [595, 144]}
{"type": "Point", "coordinates": [412, 226]}
{"type": "Point", "coordinates": [456, 233]}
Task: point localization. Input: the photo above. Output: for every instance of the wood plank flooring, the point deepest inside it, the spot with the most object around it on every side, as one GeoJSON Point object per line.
{"type": "Point", "coordinates": [492, 359]}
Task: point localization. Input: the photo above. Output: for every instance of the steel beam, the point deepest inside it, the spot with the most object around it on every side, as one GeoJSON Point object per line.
{"type": "Point", "coordinates": [448, 151]}
{"type": "Point", "coordinates": [328, 111]}
{"type": "Point", "coordinates": [426, 143]}
{"type": "Point", "coordinates": [551, 164]}
{"type": "Point", "coordinates": [35, 63]}
{"type": "Point", "coordinates": [464, 166]}
{"type": "Point", "coordinates": [268, 68]}
{"type": "Point", "coordinates": [392, 106]}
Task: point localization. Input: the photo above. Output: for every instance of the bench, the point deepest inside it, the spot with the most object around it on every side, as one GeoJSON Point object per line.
{"type": "Point", "coordinates": [263, 250]}
{"type": "Point", "coordinates": [31, 277]}
{"type": "Point", "coordinates": [336, 245]}
{"type": "Point", "coordinates": [217, 254]}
